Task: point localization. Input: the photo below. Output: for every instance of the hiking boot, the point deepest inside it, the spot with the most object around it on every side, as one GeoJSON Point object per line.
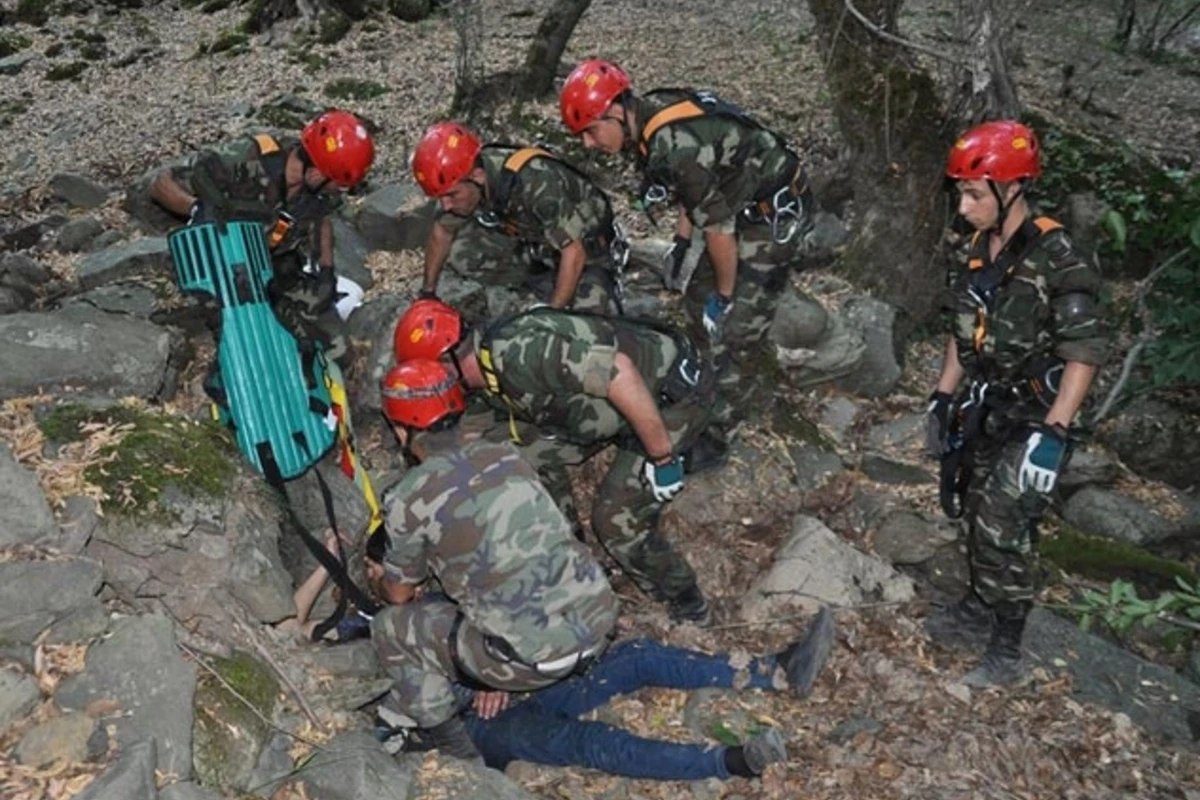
{"type": "Point", "coordinates": [802, 661]}
{"type": "Point", "coordinates": [709, 452]}
{"type": "Point", "coordinates": [1001, 663]}
{"type": "Point", "coordinates": [967, 623]}
{"type": "Point", "coordinates": [764, 749]}
{"type": "Point", "coordinates": [451, 738]}
{"type": "Point", "coordinates": [690, 606]}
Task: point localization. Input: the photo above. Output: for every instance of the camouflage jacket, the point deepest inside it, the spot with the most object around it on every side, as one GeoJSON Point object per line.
{"type": "Point", "coordinates": [234, 181]}
{"type": "Point", "coordinates": [717, 164]}
{"type": "Point", "coordinates": [475, 517]}
{"type": "Point", "coordinates": [553, 369]}
{"type": "Point", "coordinates": [1038, 301]}
{"type": "Point", "coordinates": [548, 202]}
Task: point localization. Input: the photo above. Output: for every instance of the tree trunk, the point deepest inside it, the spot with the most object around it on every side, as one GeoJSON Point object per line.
{"type": "Point", "coordinates": [1126, 17]}
{"type": "Point", "coordinates": [468, 63]}
{"type": "Point", "coordinates": [987, 90]}
{"type": "Point", "coordinates": [541, 62]}
{"type": "Point", "coordinates": [889, 114]}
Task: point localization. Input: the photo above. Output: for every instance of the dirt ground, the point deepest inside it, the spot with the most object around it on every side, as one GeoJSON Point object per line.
{"type": "Point", "coordinates": [883, 722]}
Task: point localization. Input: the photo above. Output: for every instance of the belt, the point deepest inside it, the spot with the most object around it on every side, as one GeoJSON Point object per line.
{"type": "Point", "coordinates": [564, 665]}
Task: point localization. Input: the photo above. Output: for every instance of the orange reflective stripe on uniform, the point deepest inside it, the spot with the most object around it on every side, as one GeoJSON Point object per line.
{"type": "Point", "coordinates": [267, 143]}
{"type": "Point", "coordinates": [519, 159]}
{"type": "Point", "coordinates": [1046, 225]}
{"type": "Point", "coordinates": [685, 109]}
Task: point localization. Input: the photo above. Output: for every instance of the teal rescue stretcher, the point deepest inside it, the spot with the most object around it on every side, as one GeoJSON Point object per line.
{"type": "Point", "coordinates": [277, 399]}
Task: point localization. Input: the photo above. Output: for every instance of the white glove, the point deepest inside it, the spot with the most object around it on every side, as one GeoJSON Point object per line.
{"type": "Point", "coordinates": [664, 480]}
{"type": "Point", "coordinates": [1041, 461]}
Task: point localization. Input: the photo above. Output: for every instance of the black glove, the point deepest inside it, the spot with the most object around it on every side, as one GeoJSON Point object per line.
{"type": "Point", "coordinates": [322, 286]}
{"type": "Point", "coordinates": [673, 260]}
{"type": "Point", "coordinates": [937, 424]}
{"type": "Point", "coordinates": [197, 214]}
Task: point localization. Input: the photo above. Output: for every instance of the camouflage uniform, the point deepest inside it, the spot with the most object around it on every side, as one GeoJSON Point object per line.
{"type": "Point", "coordinates": [1045, 313]}
{"type": "Point", "coordinates": [718, 167]}
{"type": "Point", "coordinates": [524, 592]}
{"type": "Point", "coordinates": [233, 182]}
{"type": "Point", "coordinates": [553, 370]}
{"type": "Point", "coordinates": [549, 205]}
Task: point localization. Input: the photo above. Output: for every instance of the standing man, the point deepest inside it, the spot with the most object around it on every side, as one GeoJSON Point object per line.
{"type": "Point", "coordinates": [292, 187]}
{"type": "Point", "coordinates": [742, 186]}
{"type": "Point", "coordinates": [585, 382]}
{"type": "Point", "coordinates": [525, 606]}
{"type": "Point", "coordinates": [564, 247]}
{"type": "Point", "coordinates": [1027, 338]}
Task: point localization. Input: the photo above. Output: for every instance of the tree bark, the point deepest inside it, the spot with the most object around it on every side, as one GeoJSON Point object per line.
{"type": "Point", "coordinates": [541, 62]}
{"type": "Point", "coordinates": [468, 63]}
{"type": "Point", "coordinates": [1126, 17]}
{"type": "Point", "coordinates": [889, 114]}
{"type": "Point", "coordinates": [988, 91]}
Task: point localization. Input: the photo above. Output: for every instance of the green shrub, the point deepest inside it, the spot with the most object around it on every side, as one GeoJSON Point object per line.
{"type": "Point", "coordinates": [353, 89]}
{"type": "Point", "coordinates": [12, 42]}
{"type": "Point", "coordinates": [67, 72]}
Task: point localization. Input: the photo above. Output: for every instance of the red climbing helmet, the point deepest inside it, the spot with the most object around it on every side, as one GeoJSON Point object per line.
{"type": "Point", "coordinates": [339, 146]}
{"type": "Point", "coordinates": [1001, 151]}
{"type": "Point", "coordinates": [419, 394]}
{"type": "Point", "coordinates": [428, 329]}
{"type": "Point", "coordinates": [588, 92]}
{"type": "Point", "coordinates": [444, 156]}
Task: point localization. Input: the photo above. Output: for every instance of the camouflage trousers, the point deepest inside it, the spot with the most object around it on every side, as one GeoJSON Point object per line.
{"type": "Point", "coordinates": [1001, 525]}
{"type": "Point", "coordinates": [625, 516]}
{"type": "Point", "coordinates": [413, 643]}
{"type": "Point", "coordinates": [764, 276]}
{"type": "Point", "coordinates": [301, 308]}
{"type": "Point", "coordinates": [516, 274]}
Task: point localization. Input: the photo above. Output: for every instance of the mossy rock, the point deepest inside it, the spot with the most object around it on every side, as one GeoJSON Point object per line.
{"type": "Point", "coordinates": [228, 737]}
{"type": "Point", "coordinates": [159, 451]}
{"type": "Point", "coordinates": [354, 89]}
{"type": "Point", "coordinates": [67, 72]}
{"type": "Point", "coordinates": [93, 51]}
{"type": "Point", "coordinates": [12, 42]}
{"type": "Point", "coordinates": [226, 42]}
{"type": "Point", "coordinates": [1072, 550]}
{"type": "Point", "coordinates": [33, 12]}
{"type": "Point", "coordinates": [333, 28]}
{"type": "Point", "coordinates": [53, 49]}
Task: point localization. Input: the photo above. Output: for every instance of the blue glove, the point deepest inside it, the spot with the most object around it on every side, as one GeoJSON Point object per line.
{"type": "Point", "coordinates": [715, 310]}
{"type": "Point", "coordinates": [665, 480]}
{"type": "Point", "coordinates": [1042, 459]}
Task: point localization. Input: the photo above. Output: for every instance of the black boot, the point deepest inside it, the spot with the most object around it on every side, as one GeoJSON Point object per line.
{"type": "Point", "coordinates": [967, 623]}
{"type": "Point", "coordinates": [1001, 664]}
{"type": "Point", "coordinates": [803, 660]}
{"type": "Point", "coordinates": [451, 738]}
{"type": "Point", "coordinates": [690, 606]}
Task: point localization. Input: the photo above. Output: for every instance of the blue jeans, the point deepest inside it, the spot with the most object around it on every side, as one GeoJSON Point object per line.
{"type": "Point", "coordinates": [545, 728]}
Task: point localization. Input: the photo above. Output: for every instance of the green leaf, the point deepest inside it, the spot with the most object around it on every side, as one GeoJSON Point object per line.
{"type": "Point", "coordinates": [1085, 622]}
{"type": "Point", "coordinates": [1114, 224]}
{"type": "Point", "coordinates": [722, 734]}
{"type": "Point", "coordinates": [1194, 234]}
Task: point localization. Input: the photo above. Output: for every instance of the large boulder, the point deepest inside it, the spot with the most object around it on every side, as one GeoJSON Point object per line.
{"type": "Point", "coordinates": [35, 594]}
{"type": "Point", "coordinates": [78, 191]}
{"type": "Point", "coordinates": [881, 364]}
{"type": "Point", "coordinates": [395, 217]}
{"type": "Point", "coordinates": [1165, 515]}
{"type": "Point", "coordinates": [82, 347]}
{"type": "Point", "coordinates": [147, 256]}
{"type": "Point", "coordinates": [25, 516]}
{"type": "Point", "coordinates": [1157, 440]}
{"type": "Point", "coordinates": [131, 778]}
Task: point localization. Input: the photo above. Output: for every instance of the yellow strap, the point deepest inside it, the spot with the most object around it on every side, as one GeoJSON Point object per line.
{"type": "Point", "coordinates": [492, 386]}
{"type": "Point", "coordinates": [519, 159]}
{"type": "Point", "coordinates": [338, 396]}
{"type": "Point", "coordinates": [684, 109]}
{"type": "Point", "coordinates": [266, 143]}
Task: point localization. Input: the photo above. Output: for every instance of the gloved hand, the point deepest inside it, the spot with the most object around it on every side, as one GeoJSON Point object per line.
{"type": "Point", "coordinates": [937, 424]}
{"type": "Point", "coordinates": [665, 480]}
{"type": "Point", "coordinates": [196, 214]}
{"type": "Point", "coordinates": [715, 311]}
{"type": "Point", "coordinates": [673, 261]}
{"type": "Point", "coordinates": [322, 288]}
{"type": "Point", "coordinates": [1043, 457]}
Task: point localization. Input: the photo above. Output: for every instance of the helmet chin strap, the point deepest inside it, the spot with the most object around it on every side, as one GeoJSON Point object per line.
{"type": "Point", "coordinates": [1002, 207]}
{"type": "Point", "coordinates": [630, 138]}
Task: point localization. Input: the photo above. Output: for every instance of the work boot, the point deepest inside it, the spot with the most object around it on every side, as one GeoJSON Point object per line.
{"type": "Point", "coordinates": [690, 606]}
{"type": "Point", "coordinates": [967, 623]}
{"type": "Point", "coordinates": [449, 737]}
{"type": "Point", "coordinates": [802, 661]}
{"type": "Point", "coordinates": [709, 452]}
{"type": "Point", "coordinates": [760, 751]}
{"type": "Point", "coordinates": [1001, 663]}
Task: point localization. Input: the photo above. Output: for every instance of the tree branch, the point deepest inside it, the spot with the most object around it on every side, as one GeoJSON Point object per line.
{"type": "Point", "coordinates": [1149, 332]}
{"type": "Point", "coordinates": [894, 39]}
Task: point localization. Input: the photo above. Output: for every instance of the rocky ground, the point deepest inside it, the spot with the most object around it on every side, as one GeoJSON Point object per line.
{"type": "Point", "coordinates": [129, 609]}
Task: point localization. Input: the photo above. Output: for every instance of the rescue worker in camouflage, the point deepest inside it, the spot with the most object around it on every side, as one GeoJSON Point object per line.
{"type": "Point", "coordinates": [545, 226]}
{"type": "Point", "coordinates": [741, 185]}
{"type": "Point", "coordinates": [292, 187]}
{"type": "Point", "coordinates": [1027, 338]}
{"type": "Point", "coordinates": [584, 382]}
{"type": "Point", "coordinates": [525, 604]}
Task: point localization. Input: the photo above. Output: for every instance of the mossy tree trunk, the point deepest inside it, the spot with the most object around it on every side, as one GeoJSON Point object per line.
{"type": "Point", "coordinates": [890, 116]}
{"type": "Point", "coordinates": [541, 62]}
{"type": "Point", "coordinates": [467, 16]}
{"type": "Point", "coordinates": [987, 90]}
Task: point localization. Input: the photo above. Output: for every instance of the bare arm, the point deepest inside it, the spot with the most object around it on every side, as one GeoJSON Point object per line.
{"type": "Point", "coordinates": [570, 270]}
{"type": "Point", "coordinates": [325, 253]}
{"type": "Point", "coordinates": [952, 371]}
{"type": "Point", "coordinates": [630, 395]}
{"type": "Point", "coordinates": [169, 194]}
{"type": "Point", "coordinates": [437, 250]}
{"type": "Point", "coordinates": [1076, 380]}
{"type": "Point", "coordinates": [722, 251]}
